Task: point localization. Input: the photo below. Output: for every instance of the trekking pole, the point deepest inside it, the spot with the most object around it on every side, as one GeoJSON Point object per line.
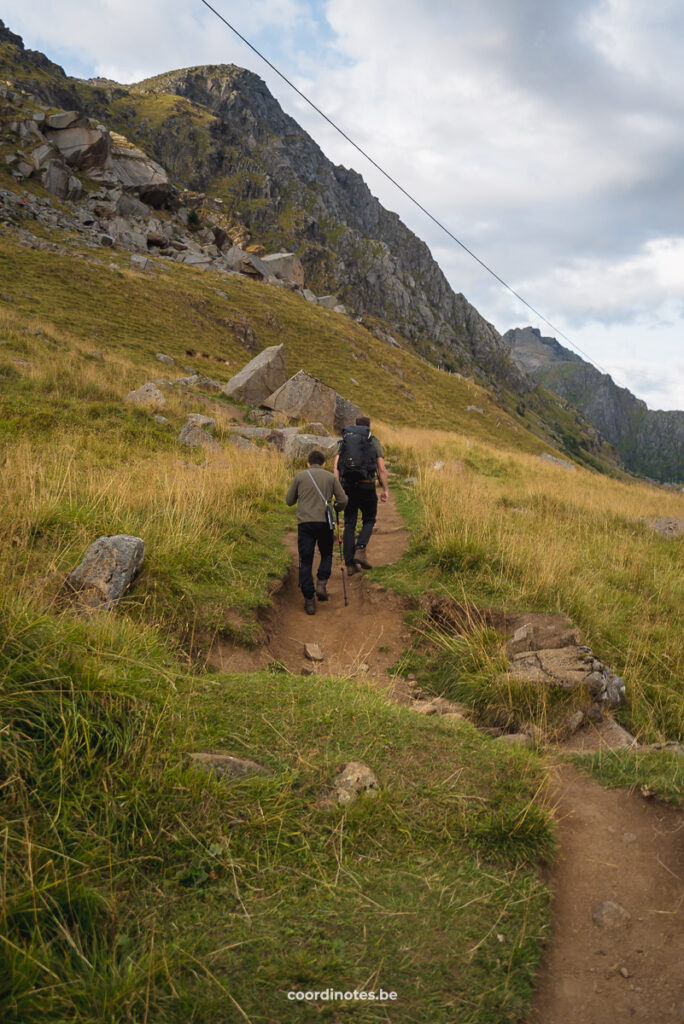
{"type": "Point", "coordinates": [339, 540]}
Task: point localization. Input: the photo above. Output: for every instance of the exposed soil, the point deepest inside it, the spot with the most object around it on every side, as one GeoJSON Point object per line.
{"type": "Point", "coordinates": [359, 641]}
{"type": "Point", "coordinates": [615, 846]}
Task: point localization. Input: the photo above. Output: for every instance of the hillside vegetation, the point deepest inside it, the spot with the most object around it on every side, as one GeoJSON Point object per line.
{"type": "Point", "coordinates": [137, 888]}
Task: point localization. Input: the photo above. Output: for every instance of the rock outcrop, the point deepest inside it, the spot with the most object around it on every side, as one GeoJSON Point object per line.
{"type": "Point", "coordinates": [304, 397]}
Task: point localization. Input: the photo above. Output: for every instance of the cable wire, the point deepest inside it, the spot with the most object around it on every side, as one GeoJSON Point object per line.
{"type": "Point", "coordinates": [400, 187]}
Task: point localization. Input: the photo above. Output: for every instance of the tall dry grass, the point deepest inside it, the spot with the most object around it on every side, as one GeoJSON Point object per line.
{"type": "Point", "coordinates": [529, 535]}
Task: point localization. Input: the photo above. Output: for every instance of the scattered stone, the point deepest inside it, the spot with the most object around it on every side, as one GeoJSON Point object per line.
{"type": "Point", "coordinates": [168, 360]}
{"type": "Point", "coordinates": [668, 528]}
{"type": "Point", "coordinates": [261, 377]}
{"type": "Point", "coordinates": [227, 766]}
{"type": "Point", "coordinates": [422, 707]}
{"type": "Point", "coordinates": [313, 652]}
{"type": "Point", "coordinates": [108, 568]}
{"type": "Point", "coordinates": [573, 722]}
{"type": "Point", "coordinates": [609, 915]}
{"type": "Point", "coordinates": [141, 263]}
{"type": "Point", "coordinates": [202, 421]}
{"type": "Point", "coordinates": [307, 670]}
{"type": "Point", "coordinates": [475, 408]}
{"type": "Point", "coordinates": [354, 779]}
{"type": "Point", "coordinates": [563, 463]}
{"type": "Point", "coordinates": [160, 419]}
{"type": "Point", "coordinates": [148, 394]}
{"type": "Point", "coordinates": [242, 443]}
{"type": "Point", "coordinates": [624, 972]}
{"type": "Point", "coordinates": [195, 437]}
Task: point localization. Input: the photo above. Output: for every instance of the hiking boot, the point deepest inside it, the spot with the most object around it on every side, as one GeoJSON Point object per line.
{"type": "Point", "coordinates": [360, 559]}
{"type": "Point", "coordinates": [321, 592]}
{"type": "Point", "coordinates": [352, 570]}
{"type": "Point", "coordinates": [310, 605]}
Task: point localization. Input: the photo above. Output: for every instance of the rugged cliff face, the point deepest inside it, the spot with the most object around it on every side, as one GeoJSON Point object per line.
{"type": "Point", "coordinates": [650, 443]}
{"type": "Point", "coordinates": [289, 194]}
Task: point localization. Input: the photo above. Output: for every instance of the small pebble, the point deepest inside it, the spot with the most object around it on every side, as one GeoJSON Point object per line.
{"type": "Point", "coordinates": [624, 972]}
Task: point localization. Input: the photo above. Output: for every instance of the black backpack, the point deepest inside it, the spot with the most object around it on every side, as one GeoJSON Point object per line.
{"type": "Point", "coordinates": [357, 462]}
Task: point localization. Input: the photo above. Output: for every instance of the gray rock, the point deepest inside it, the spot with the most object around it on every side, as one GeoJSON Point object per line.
{"type": "Point", "coordinates": [315, 428]}
{"type": "Point", "coordinates": [345, 413]}
{"type": "Point", "coordinates": [563, 463]}
{"type": "Point", "coordinates": [108, 568]}
{"type": "Point", "coordinates": [609, 915]}
{"type": "Point", "coordinates": [168, 360]}
{"type": "Point", "coordinates": [313, 652]}
{"type": "Point", "coordinates": [60, 182]}
{"type": "Point", "coordinates": [141, 263]}
{"type": "Point", "coordinates": [64, 119]}
{"type": "Point", "coordinates": [82, 146]}
{"type": "Point", "coordinates": [259, 378]}
{"type": "Point", "coordinates": [245, 263]}
{"type": "Point", "coordinates": [193, 436]}
{"type": "Point", "coordinates": [242, 443]}
{"type": "Point", "coordinates": [304, 397]}
{"type": "Point", "coordinates": [160, 419]}
{"type": "Point", "coordinates": [226, 766]}
{"type": "Point", "coordinates": [138, 173]}
{"type": "Point", "coordinates": [206, 422]}
{"type": "Point", "coordinates": [574, 722]}
{"type": "Point", "coordinates": [285, 266]}
{"type": "Point", "coordinates": [328, 301]}
{"type": "Point", "coordinates": [309, 295]}
{"type": "Point", "coordinates": [298, 446]}
{"type": "Point", "coordinates": [354, 779]}
{"type": "Point", "coordinates": [148, 394]}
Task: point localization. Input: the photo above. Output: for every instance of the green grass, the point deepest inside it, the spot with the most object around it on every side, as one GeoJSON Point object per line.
{"type": "Point", "coordinates": [653, 772]}
{"type": "Point", "coordinates": [136, 887]}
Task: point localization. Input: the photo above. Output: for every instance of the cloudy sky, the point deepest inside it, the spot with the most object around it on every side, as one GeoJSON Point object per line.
{"type": "Point", "coordinates": [548, 137]}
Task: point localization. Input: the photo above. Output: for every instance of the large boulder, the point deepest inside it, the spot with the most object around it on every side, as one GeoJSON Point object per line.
{"type": "Point", "coordinates": [108, 568]}
{"type": "Point", "coordinates": [83, 145]}
{"type": "Point", "coordinates": [304, 397]}
{"type": "Point", "coordinates": [298, 446]}
{"type": "Point", "coordinates": [345, 413]}
{"type": "Point", "coordinates": [194, 436]}
{"type": "Point", "coordinates": [285, 266]}
{"type": "Point", "coordinates": [59, 181]}
{"type": "Point", "coordinates": [148, 394]}
{"type": "Point", "coordinates": [246, 263]}
{"type": "Point", "coordinates": [137, 173]}
{"type": "Point", "coordinates": [259, 378]}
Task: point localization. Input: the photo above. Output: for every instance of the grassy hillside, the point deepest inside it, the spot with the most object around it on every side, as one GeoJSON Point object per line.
{"type": "Point", "coordinates": [134, 887]}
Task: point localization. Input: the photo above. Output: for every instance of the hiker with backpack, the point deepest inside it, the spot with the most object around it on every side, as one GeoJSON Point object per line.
{"type": "Point", "coordinates": [359, 460]}
{"type": "Point", "coordinates": [313, 490]}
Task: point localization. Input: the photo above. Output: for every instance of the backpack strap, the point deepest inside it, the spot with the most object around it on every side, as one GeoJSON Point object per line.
{"type": "Point", "coordinates": [328, 510]}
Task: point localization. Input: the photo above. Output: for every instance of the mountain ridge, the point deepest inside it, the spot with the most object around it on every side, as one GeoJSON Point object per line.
{"type": "Point", "coordinates": [649, 442]}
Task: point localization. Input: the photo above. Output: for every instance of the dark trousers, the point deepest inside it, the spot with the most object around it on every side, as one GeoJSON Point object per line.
{"type": "Point", "coordinates": [363, 498]}
{"type": "Point", "coordinates": [308, 536]}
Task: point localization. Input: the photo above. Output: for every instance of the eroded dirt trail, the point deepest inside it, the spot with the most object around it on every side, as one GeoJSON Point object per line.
{"type": "Point", "coordinates": [600, 966]}
{"type": "Point", "coordinates": [615, 847]}
{"type": "Point", "coordinates": [358, 641]}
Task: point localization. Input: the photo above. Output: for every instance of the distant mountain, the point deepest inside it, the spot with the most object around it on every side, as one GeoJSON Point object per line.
{"type": "Point", "coordinates": [650, 443]}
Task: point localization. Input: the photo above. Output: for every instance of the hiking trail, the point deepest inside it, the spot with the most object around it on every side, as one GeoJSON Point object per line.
{"type": "Point", "coordinates": [616, 848]}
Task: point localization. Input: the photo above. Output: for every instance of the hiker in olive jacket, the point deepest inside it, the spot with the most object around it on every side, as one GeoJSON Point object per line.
{"type": "Point", "coordinates": [312, 490]}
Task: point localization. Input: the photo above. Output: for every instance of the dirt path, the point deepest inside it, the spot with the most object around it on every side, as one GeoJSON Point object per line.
{"type": "Point", "coordinates": [618, 848]}
{"type": "Point", "coordinates": [615, 846]}
{"type": "Point", "coordinates": [359, 641]}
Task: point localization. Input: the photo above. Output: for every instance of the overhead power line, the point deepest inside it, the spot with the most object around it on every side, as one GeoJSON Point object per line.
{"type": "Point", "coordinates": [400, 187]}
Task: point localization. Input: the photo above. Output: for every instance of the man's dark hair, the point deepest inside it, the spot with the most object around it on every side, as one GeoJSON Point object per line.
{"type": "Point", "coordinates": [315, 458]}
{"type": "Point", "coordinates": [363, 421]}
